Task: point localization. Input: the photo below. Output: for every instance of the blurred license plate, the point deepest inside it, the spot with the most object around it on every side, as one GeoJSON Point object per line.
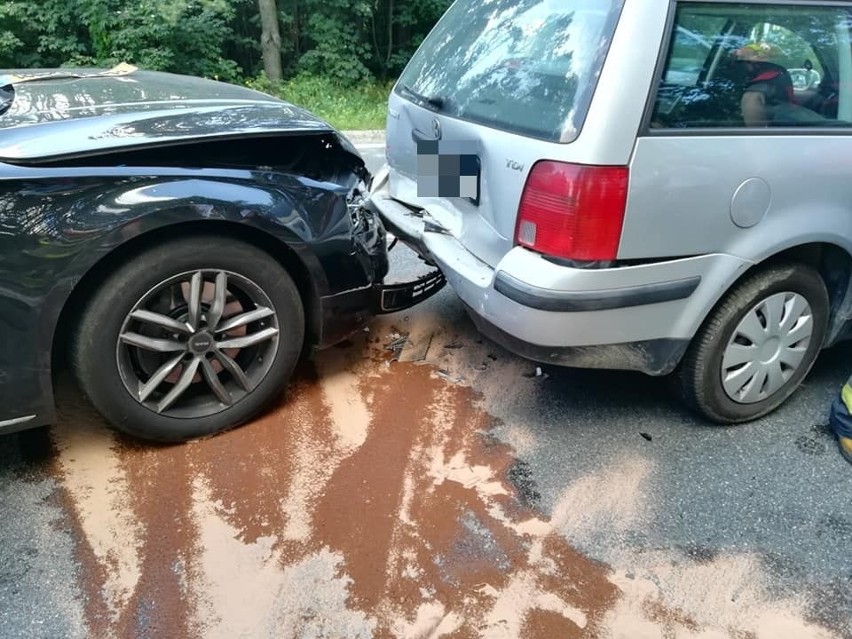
{"type": "Point", "coordinates": [448, 168]}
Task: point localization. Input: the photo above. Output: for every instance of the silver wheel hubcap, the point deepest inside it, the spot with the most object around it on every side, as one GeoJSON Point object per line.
{"type": "Point", "coordinates": [197, 343]}
{"type": "Point", "coordinates": [767, 348]}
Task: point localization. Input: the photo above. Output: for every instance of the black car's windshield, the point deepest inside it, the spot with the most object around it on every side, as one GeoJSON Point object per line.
{"type": "Point", "coordinates": [528, 66]}
{"type": "Point", "coordinates": [8, 80]}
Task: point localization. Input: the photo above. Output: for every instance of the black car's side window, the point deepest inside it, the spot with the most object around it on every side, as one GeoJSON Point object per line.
{"type": "Point", "coordinates": [755, 66]}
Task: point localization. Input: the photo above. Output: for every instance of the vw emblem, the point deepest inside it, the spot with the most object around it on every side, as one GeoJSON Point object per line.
{"type": "Point", "coordinates": [436, 128]}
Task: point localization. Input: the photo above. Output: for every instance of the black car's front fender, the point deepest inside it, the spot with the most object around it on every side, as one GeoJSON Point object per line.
{"type": "Point", "coordinates": [57, 225]}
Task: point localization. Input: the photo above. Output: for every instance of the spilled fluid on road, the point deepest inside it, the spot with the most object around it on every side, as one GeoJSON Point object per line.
{"type": "Point", "coordinates": [372, 501]}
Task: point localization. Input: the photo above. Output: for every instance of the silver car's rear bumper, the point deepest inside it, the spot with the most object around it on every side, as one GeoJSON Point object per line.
{"type": "Point", "coordinates": [632, 317]}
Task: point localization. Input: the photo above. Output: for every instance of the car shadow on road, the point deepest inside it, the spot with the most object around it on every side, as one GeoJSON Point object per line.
{"type": "Point", "coordinates": [601, 393]}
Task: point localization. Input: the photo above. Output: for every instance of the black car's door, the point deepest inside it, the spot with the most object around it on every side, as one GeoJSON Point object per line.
{"type": "Point", "coordinates": [25, 278]}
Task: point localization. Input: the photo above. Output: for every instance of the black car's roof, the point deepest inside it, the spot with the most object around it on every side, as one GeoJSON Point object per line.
{"type": "Point", "coordinates": [62, 112]}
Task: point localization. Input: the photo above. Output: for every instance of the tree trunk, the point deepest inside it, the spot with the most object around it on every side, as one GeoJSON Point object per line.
{"type": "Point", "coordinates": [390, 36]}
{"type": "Point", "coordinates": [270, 39]}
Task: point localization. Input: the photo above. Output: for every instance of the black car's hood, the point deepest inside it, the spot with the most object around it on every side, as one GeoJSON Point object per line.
{"type": "Point", "coordinates": [69, 112]}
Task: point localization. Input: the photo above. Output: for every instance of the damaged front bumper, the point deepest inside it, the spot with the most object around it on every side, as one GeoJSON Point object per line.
{"type": "Point", "coordinates": [370, 234]}
{"type": "Point", "coordinates": [344, 313]}
{"type": "Point", "coordinates": [392, 298]}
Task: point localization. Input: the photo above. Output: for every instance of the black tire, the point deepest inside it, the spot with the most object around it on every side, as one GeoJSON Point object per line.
{"type": "Point", "coordinates": [699, 379]}
{"type": "Point", "coordinates": [104, 363]}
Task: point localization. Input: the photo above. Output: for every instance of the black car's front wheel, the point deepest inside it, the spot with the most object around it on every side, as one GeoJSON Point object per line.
{"type": "Point", "coordinates": [189, 338]}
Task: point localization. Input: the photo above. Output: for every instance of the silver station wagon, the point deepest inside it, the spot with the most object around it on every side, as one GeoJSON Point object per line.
{"type": "Point", "coordinates": [637, 184]}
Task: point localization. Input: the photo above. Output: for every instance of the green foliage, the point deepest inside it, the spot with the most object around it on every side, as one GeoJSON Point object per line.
{"type": "Point", "coordinates": [352, 41]}
{"type": "Point", "coordinates": [399, 27]}
{"type": "Point", "coordinates": [46, 33]}
{"type": "Point", "coordinates": [334, 28]}
{"type": "Point", "coordinates": [186, 36]}
{"type": "Point", "coordinates": [347, 108]}
{"type": "Point", "coordinates": [172, 35]}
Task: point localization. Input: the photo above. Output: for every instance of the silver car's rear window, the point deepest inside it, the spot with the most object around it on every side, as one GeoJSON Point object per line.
{"type": "Point", "coordinates": [525, 66]}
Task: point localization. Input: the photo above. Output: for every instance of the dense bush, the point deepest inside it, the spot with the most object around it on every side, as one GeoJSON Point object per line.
{"type": "Point", "coordinates": [348, 40]}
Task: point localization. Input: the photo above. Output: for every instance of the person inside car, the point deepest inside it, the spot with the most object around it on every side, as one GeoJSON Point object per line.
{"type": "Point", "coordinates": [812, 77]}
{"type": "Point", "coordinates": [768, 98]}
{"type": "Point", "coordinates": [767, 86]}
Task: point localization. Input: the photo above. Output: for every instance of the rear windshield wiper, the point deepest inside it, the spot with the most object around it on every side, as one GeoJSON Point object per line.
{"type": "Point", "coordinates": [436, 101]}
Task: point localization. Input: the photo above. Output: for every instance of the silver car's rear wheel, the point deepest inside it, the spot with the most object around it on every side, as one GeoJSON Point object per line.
{"type": "Point", "coordinates": [767, 347]}
{"type": "Point", "coordinates": [197, 343]}
{"type": "Point", "coordinates": [757, 345]}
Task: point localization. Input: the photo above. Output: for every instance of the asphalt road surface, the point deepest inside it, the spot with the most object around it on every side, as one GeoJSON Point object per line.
{"type": "Point", "coordinates": [419, 481]}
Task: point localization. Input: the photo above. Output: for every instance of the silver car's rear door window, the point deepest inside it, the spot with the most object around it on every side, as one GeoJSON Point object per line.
{"type": "Point", "coordinates": [757, 66]}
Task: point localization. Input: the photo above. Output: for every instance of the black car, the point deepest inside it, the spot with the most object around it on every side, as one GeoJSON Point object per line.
{"type": "Point", "coordinates": [186, 239]}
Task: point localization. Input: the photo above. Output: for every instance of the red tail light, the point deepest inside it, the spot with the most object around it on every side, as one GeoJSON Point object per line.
{"type": "Point", "coordinates": [573, 211]}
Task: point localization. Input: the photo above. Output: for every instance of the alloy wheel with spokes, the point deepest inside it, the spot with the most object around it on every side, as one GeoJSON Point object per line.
{"type": "Point", "coordinates": [188, 338]}
{"type": "Point", "coordinates": [197, 343]}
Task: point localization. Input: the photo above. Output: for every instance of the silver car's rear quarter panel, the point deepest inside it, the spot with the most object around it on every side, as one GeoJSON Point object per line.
{"type": "Point", "coordinates": [683, 188]}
